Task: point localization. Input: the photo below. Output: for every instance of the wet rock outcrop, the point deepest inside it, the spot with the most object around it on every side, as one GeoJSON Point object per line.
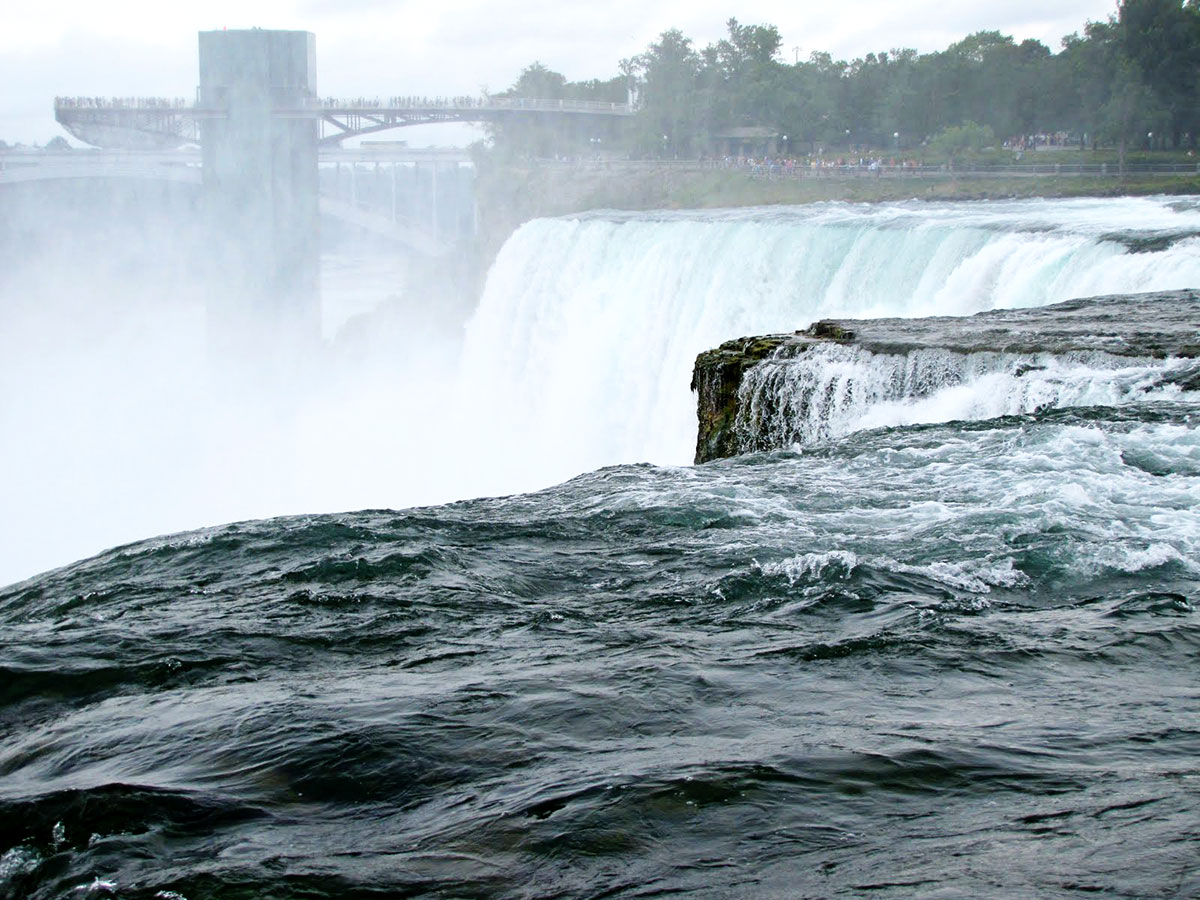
{"type": "Point", "coordinates": [1151, 326]}
{"type": "Point", "coordinates": [716, 378]}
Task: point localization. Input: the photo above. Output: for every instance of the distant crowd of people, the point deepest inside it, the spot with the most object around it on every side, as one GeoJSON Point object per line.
{"type": "Point", "coordinates": [120, 102]}
{"type": "Point", "coordinates": [397, 102]}
{"type": "Point", "coordinates": [406, 102]}
{"type": "Point", "coordinates": [814, 165]}
{"type": "Point", "coordinates": [461, 102]}
{"type": "Point", "coordinates": [1042, 140]}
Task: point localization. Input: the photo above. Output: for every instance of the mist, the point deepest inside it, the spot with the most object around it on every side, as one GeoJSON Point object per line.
{"type": "Point", "coordinates": [121, 422]}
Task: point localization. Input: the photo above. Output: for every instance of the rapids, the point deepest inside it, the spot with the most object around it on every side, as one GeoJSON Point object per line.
{"type": "Point", "coordinates": [933, 661]}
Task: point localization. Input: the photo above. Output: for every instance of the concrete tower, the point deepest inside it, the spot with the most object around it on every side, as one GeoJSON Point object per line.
{"type": "Point", "coordinates": [259, 144]}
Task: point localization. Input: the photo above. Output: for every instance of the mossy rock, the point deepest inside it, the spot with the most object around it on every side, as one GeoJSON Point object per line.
{"type": "Point", "coordinates": [716, 377]}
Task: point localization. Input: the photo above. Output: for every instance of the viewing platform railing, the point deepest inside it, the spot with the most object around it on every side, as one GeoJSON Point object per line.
{"type": "Point", "coordinates": [799, 171]}
{"type": "Point", "coordinates": [160, 121]}
{"type": "Point", "coordinates": [362, 104]}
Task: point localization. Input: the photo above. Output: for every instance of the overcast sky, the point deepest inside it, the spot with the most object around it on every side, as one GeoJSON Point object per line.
{"type": "Point", "coordinates": [385, 47]}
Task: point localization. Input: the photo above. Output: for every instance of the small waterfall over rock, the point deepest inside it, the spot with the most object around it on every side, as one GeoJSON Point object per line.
{"type": "Point", "coordinates": [832, 390]}
{"type": "Point", "coordinates": [847, 375]}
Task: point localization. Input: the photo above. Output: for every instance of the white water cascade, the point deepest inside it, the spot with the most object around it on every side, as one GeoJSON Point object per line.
{"type": "Point", "coordinates": [832, 390]}
{"type": "Point", "coordinates": [580, 353]}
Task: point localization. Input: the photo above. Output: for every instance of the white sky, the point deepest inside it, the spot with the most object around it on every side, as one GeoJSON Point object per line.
{"type": "Point", "coordinates": [447, 47]}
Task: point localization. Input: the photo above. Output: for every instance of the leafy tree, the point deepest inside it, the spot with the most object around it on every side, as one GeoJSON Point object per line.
{"type": "Point", "coordinates": [532, 134]}
{"type": "Point", "coordinates": [1138, 71]}
{"type": "Point", "coordinates": [1162, 38]}
{"type": "Point", "coordinates": [538, 82]}
{"type": "Point", "coordinates": [1083, 76]}
{"type": "Point", "coordinates": [1131, 110]}
{"type": "Point", "coordinates": [669, 110]}
{"type": "Point", "coordinates": [748, 65]}
{"type": "Point", "coordinates": [960, 141]}
{"type": "Point", "coordinates": [547, 134]}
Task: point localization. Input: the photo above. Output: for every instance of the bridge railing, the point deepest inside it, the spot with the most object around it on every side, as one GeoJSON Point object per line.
{"type": "Point", "coordinates": [122, 103]}
{"type": "Point", "coordinates": [362, 104]}
{"type": "Point", "coordinates": [421, 104]}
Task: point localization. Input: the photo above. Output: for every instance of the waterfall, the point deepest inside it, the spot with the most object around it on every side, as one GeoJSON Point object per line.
{"type": "Point", "coordinates": [580, 352]}
{"type": "Point", "coordinates": [832, 390]}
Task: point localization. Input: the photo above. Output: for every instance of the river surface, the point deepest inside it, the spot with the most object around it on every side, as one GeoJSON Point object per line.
{"type": "Point", "coordinates": [911, 658]}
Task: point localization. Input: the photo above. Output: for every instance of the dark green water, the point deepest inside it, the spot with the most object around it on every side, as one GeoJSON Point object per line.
{"type": "Point", "coordinates": [938, 661]}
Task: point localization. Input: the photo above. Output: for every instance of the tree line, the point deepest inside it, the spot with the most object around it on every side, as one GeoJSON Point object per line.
{"type": "Point", "coordinates": [1132, 81]}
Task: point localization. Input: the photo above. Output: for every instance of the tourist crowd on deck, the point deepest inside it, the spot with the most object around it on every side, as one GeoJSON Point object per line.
{"type": "Point", "coordinates": [405, 102]}
{"type": "Point", "coordinates": [462, 102]}
{"type": "Point", "coordinates": [120, 102]}
{"type": "Point", "coordinates": [397, 102]}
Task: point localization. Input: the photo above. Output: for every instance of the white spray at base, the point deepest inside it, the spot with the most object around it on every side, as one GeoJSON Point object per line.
{"type": "Point", "coordinates": [580, 353]}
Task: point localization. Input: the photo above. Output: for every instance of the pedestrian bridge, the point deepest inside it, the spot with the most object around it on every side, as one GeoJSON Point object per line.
{"type": "Point", "coordinates": [156, 122]}
{"type": "Point", "coordinates": [422, 199]}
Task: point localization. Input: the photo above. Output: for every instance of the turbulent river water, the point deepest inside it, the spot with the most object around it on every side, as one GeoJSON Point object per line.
{"type": "Point", "coordinates": [950, 655]}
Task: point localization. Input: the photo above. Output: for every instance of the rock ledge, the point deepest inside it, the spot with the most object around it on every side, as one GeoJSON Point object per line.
{"type": "Point", "coordinates": [1150, 326]}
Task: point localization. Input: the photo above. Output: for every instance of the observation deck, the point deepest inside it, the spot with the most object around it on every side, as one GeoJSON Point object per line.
{"type": "Point", "coordinates": [155, 123]}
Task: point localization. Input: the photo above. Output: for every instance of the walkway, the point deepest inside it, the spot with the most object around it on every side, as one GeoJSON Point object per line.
{"type": "Point", "coordinates": [156, 122]}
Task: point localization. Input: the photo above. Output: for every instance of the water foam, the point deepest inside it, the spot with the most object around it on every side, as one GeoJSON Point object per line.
{"type": "Point", "coordinates": [831, 390]}
{"type": "Point", "coordinates": [582, 345]}
{"type": "Point", "coordinates": [972, 512]}
{"type": "Point", "coordinates": [971, 575]}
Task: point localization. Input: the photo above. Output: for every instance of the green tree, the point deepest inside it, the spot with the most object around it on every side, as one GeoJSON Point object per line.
{"type": "Point", "coordinates": [960, 141]}
{"type": "Point", "coordinates": [538, 82]}
{"type": "Point", "coordinates": [533, 134]}
{"type": "Point", "coordinates": [1082, 79]}
{"type": "Point", "coordinates": [1138, 71]}
{"type": "Point", "coordinates": [1162, 38]}
{"type": "Point", "coordinates": [1132, 109]}
{"type": "Point", "coordinates": [749, 66]}
{"type": "Point", "coordinates": [669, 113]}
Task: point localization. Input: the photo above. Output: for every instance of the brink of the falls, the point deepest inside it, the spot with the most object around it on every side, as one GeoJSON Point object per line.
{"type": "Point", "coordinates": [843, 375]}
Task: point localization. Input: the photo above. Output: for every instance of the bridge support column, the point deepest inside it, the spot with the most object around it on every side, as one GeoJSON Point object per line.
{"type": "Point", "coordinates": [394, 165]}
{"type": "Point", "coordinates": [433, 202]}
{"type": "Point", "coordinates": [260, 188]}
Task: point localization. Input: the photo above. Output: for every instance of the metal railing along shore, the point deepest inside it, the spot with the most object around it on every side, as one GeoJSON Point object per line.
{"type": "Point", "coordinates": [806, 171]}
